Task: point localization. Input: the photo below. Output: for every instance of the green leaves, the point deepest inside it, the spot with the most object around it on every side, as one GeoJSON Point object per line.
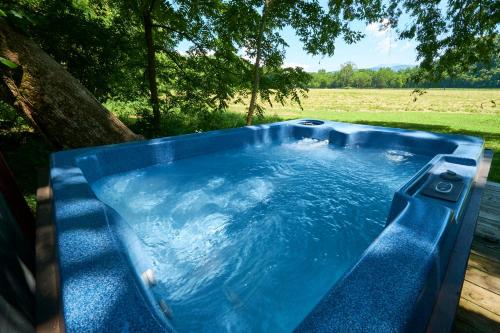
{"type": "Point", "coordinates": [453, 36]}
{"type": "Point", "coordinates": [7, 63]}
{"type": "Point", "coordinates": [11, 12]}
{"type": "Point", "coordinates": [16, 14]}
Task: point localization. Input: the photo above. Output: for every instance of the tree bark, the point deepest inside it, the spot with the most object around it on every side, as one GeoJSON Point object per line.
{"type": "Point", "coordinates": [256, 66]}
{"type": "Point", "coordinates": [151, 69]}
{"type": "Point", "coordinates": [55, 103]}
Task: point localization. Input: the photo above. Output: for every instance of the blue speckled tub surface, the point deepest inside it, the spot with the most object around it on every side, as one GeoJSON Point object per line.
{"type": "Point", "coordinates": [198, 232]}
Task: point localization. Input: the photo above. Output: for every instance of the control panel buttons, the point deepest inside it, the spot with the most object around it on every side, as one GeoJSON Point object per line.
{"type": "Point", "coordinates": [444, 187]}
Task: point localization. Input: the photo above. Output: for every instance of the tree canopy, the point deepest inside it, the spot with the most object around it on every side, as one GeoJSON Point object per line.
{"type": "Point", "coordinates": [182, 58]}
{"type": "Point", "coordinates": [451, 36]}
{"type": "Point", "coordinates": [256, 27]}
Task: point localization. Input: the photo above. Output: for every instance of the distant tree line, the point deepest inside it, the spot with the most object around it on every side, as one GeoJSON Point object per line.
{"type": "Point", "coordinates": [350, 76]}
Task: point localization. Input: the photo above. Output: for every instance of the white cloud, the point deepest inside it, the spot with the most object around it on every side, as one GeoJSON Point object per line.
{"type": "Point", "coordinates": [378, 29]}
{"type": "Point", "coordinates": [382, 33]}
{"type": "Point", "coordinates": [408, 45]}
{"type": "Point", "coordinates": [386, 44]}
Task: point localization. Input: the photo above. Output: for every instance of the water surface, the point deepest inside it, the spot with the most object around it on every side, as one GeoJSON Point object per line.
{"type": "Point", "coordinates": [252, 239]}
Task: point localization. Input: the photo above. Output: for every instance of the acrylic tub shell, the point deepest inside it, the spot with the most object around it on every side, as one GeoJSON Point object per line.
{"type": "Point", "coordinates": [392, 288]}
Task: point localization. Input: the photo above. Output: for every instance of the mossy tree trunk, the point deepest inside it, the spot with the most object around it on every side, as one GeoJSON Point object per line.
{"type": "Point", "coordinates": [54, 102]}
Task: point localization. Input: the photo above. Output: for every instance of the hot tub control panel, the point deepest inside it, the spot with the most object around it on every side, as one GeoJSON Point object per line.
{"type": "Point", "coordinates": [445, 186]}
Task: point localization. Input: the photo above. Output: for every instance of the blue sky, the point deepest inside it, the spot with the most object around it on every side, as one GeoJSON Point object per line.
{"type": "Point", "coordinates": [377, 48]}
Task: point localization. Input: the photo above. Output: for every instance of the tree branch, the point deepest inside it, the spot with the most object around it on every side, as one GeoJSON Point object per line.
{"type": "Point", "coordinates": [196, 44]}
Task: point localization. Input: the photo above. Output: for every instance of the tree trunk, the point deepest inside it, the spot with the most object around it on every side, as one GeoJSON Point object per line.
{"type": "Point", "coordinates": [256, 66]}
{"type": "Point", "coordinates": [51, 100]}
{"type": "Point", "coordinates": [151, 70]}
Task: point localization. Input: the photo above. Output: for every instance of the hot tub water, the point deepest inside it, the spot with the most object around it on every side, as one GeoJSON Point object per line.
{"type": "Point", "coordinates": [252, 239]}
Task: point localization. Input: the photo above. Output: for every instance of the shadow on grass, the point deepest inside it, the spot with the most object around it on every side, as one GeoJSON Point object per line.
{"type": "Point", "coordinates": [177, 123]}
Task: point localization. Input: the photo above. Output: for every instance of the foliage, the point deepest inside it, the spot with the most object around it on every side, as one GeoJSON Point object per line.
{"type": "Point", "coordinates": [88, 39]}
{"type": "Point", "coordinates": [452, 37]}
{"type": "Point", "coordinates": [478, 76]}
{"type": "Point", "coordinates": [346, 73]}
{"type": "Point", "coordinates": [23, 150]}
{"type": "Point", "coordinates": [8, 117]}
{"type": "Point", "coordinates": [102, 44]}
{"type": "Point", "coordinates": [9, 64]}
{"type": "Point", "coordinates": [133, 113]}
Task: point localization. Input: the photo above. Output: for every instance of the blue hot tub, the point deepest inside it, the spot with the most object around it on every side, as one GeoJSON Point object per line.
{"type": "Point", "coordinates": [302, 225]}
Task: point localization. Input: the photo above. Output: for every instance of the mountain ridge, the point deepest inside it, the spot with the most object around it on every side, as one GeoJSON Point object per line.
{"type": "Point", "coordinates": [394, 67]}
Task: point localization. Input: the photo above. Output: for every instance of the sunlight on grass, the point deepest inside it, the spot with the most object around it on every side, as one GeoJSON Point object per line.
{"type": "Point", "coordinates": [320, 101]}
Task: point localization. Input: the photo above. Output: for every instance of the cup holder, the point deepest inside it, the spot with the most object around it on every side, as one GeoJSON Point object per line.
{"type": "Point", "coordinates": [309, 122]}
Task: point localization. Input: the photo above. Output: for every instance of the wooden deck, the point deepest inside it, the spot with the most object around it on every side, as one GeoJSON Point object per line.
{"type": "Point", "coordinates": [479, 309]}
{"type": "Point", "coordinates": [49, 317]}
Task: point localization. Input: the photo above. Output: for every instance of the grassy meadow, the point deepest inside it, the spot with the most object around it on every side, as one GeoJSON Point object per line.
{"type": "Point", "coordinates": [460, 111]}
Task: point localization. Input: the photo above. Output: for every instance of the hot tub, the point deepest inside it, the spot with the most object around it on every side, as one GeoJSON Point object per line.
{"type": "Point", "coordinates": [303, 225]}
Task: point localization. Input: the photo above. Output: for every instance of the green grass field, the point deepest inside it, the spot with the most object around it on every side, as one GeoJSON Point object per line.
{"type": "Point", "coordinates": [460, 111]}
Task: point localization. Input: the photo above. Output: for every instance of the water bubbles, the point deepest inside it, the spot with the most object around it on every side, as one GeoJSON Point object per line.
{"type": "Point", "coordinates": [215, 182]}
{"type": "Point", "coordinates": [398, 156]}
{"type": "Point", "coordinates": [307, 144]}
{"type": "Point", "coordinates": [252, 239]}
{"type": "Point", "coordinates": [144, 201]}
{"type": "Point", "coordinates": [251, 192]}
